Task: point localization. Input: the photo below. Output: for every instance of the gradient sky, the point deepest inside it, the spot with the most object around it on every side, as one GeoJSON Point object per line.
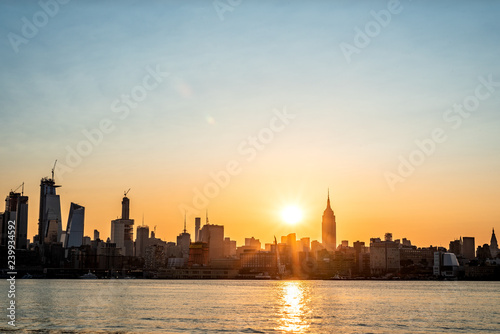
{"type": "Point", "coordinates": [353, 120]}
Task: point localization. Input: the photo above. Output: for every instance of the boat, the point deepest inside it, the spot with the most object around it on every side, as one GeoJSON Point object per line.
{"type": "Point", "coordinates": [262, 276]}
{"type": "Point", "coordinates": [27, 276]}
{"type": "Point", "coordinates": [88, 275]}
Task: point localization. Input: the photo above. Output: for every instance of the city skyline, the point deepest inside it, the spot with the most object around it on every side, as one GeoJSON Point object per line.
{"type": "Point", "coordinates": [392, 105]}
{"type": "Point", "coordinates": [327, 227]}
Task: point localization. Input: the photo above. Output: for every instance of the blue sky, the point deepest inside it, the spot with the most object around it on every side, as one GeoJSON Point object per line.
{"type": "Point", "coordinates": [352, 122]}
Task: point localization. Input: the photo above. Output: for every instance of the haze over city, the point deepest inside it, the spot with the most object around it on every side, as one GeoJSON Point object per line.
{"type": "Point", "coordinates": [258, 110]}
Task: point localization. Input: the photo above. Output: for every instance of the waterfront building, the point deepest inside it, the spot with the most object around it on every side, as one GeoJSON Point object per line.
{"type": "Point", "coordinates": [198, 254]}
{"type": "Point", "coordinates": [445, 264]}
{"type": "Point", "coordinates": [384, 256]}
{"type": "Point", "coordinates": [258, 261]}
{"type": "Point", "coordinates": [213, 236]}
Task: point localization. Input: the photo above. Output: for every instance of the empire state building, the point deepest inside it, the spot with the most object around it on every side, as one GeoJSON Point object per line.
{"type": "Point", "coordinates": [329, 228]}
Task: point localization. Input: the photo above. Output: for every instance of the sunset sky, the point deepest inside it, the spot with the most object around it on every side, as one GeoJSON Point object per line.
{"type": "Point", "coordinates": [278, 100]}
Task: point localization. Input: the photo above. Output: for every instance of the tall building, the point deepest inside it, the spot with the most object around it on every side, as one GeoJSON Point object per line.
{"type": "Point", "coordinates": [304, 245]}
{"type": "Point", "coordinates": [75, 227]}
{"type": "Point", "coordinates": [456, 247]}
{"type": "Point", "coordinates": [197, 224]}
{"type": "Point", "coordinates": [183, 242]}
{"type": "Point", "coordinates": [329, 228]}
{"type": "Point", "coordinates": [229, 247]}
{"type": "Point", "coordinates": [198, 254]}
{"type": "Point", "coordinates": [16, 209]}
{"type": "Point", "coordinates": [118, 235]}
{"type": "Point", "coordinates": [125, 207]}
{"type": "Point", "coordinates": [96, 235]}
{"type": "Point", "coordinates": [141, 241]}
{"type": "Point", "coordinates": [213, 235]}
{"type": "Point", "coordinates": [493, 245]}
{"type": "Point", "coordinates": [49, 218]}
{"type": "Point", "coordinates": [253, 243]}
{"type": "Point", "coordinates": [468, 248]}
{"type": "Point", "coordinates": [384, 256]}
{"type": "Point", "coordinates": [122, 230]}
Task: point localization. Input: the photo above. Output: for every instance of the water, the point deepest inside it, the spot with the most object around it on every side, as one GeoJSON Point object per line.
{"type": "Point", "coordinates": [178, 306]}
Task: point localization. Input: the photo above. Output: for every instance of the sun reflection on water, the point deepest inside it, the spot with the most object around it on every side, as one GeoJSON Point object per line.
{"type": "Point", "coordinates": [294, 310]}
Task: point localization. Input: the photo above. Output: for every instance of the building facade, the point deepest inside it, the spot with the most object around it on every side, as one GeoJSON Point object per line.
{"type": "Point", "coordinates": [75, 227]}
{"type": "Point", "coordinates": [329, 228]}
{"type": "Point", "coordinates": [49, 219]}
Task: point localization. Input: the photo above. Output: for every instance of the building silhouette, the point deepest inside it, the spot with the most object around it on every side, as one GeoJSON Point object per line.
{"type": "Point", "coordinates": [329, 228]}
{"type": "Point", "coordinates": [49, 219]}
{"type": "Point", "coordinates": [468, 248]}
{"type": "Point", "coordinates": [183, 242]}
{"type": "Point", "coordinates": [198, 254]}
{"type": "Point", "coordinates": [456, 247]}
{"type": "Point", "coordinates": [122, 230]}
{"type": "Point", "coordinates": [493, 245]}
{"type": "Point", "coordinates": [197, 224]}
{"type": "Point", "coordinates": [213, 236]}
{"type": "Point", "coordinates": [75, 227]}
{"type": "Point", "coordinates": [384, 255]}
{"type": "Point", "coordinates": [141, 240]}
{"type": "Point", "coordinates": [125, 207]}
{"type": "Point", "coordinates": [229, 247]}
{"type": "Point", "coordinates": [16, 209]}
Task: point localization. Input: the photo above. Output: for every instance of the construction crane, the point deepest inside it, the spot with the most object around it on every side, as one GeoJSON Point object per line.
{"type": "Point", "coordinates": [126, 192]}
{"type": "Point", "coordinates": [53, 168]}
{"type": "Point", "coordinates": [22, 192]}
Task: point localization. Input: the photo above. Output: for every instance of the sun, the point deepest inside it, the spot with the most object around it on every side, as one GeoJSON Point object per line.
{"type": "Point", "coordinates": [291, 214]}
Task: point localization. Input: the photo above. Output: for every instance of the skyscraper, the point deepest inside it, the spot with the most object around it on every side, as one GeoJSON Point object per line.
{"type": "Point", "coordinates": [329, 228]}
{"type": "Point", "coordinates": [493, 245]}
{"type": "Point", "coordinates": [122, 230]}
{"type": "Point", "coordinates": [75, 227]}
{"type": "Point", "coordinates": [183, 242]}
{"type": "Point", "coordinates": [125, 207]}
{"type": "Point", "coordinates": [197, 224]}
{"type": "Point", "coordinates": [141, 241]}
{"type": "Point", "coordinates": [16, 209]}
{"type": "Point", "coordinates": [213, 235]}
{"type": "Point", "coordinates": [469, 248]}
{"type": "Point", "coordinates": [49, 219]}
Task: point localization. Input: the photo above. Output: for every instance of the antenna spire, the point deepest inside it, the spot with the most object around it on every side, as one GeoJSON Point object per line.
{"type": "Point", "coordinates": [184, 221]}
{"type": "Point", "coordinates": [206, 215]}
